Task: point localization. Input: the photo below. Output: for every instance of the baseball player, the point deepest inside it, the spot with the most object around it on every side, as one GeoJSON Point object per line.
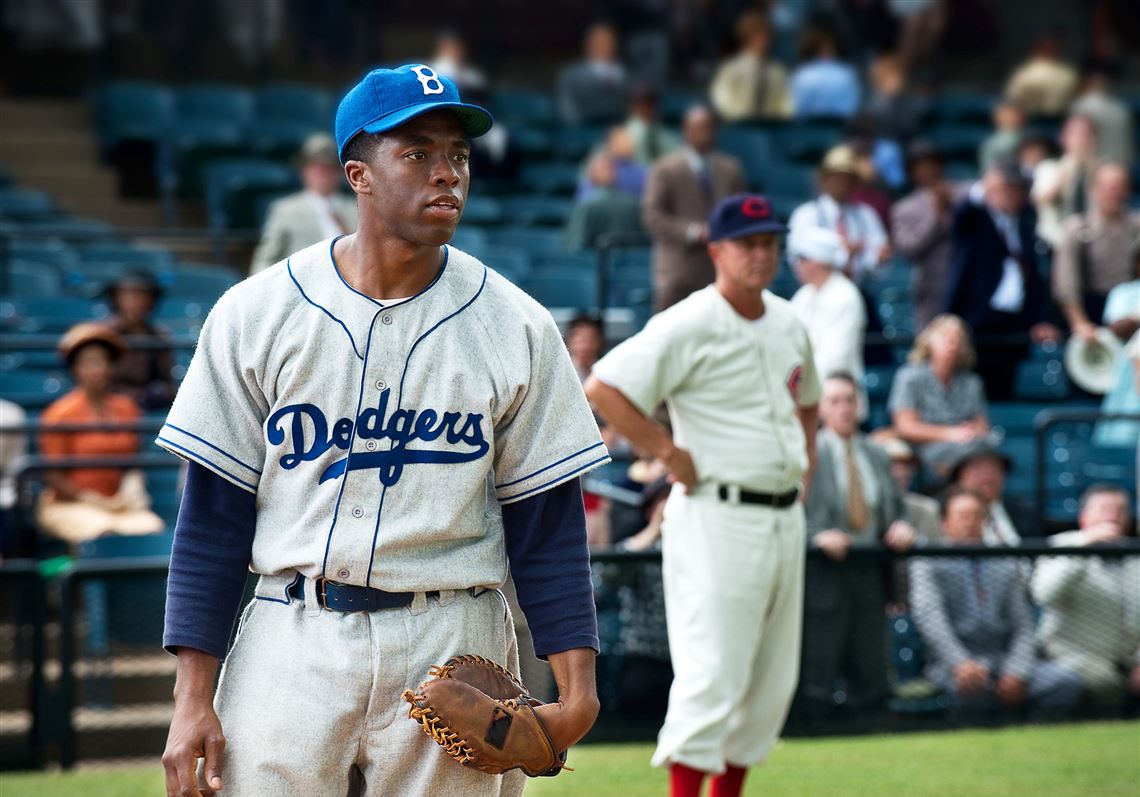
{"type": "Point", "coordinates": [735, 368]}
{"type": "Point", "coordinates": [375, 426]}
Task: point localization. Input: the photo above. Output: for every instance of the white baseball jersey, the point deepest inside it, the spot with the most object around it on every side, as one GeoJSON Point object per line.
{"type": "Point", "coordinates": [731, 385]}
{"type": "Point", "coordinates": [381, 438]}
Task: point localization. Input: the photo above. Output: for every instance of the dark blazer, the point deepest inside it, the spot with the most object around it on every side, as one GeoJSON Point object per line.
{"type": "Point", "coordinates": [978, 250]}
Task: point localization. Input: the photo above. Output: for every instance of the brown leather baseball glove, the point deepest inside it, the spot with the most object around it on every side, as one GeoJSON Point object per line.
{"type": "Point", "coordinates": [482, 716]}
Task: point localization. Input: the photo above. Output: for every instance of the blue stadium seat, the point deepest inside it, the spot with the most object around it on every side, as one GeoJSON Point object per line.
{"type": "Point", "coordinates": [473, 240]}
{"type": "Point", "coordinates": [788, 185]}
{"type": "Point", "coordinates": [808, 143]}
{"type": "Point", "coordinates": [519, 107]}
{"type": "Point", "coordinates": [233, 186]}
{"type": "Point", "coordinates": [70, 228]}
{"type": "Point", "coordinates": [752, 147]}
{"type": "Point", "coordinates": [959, 141]}
{"type": "Point", "coordinates": [131, 110]}
{"type": "Point", "coordinates": [295, 102]}
{"type": "Point", "coordinates": [1041, 380]}
{"type": "Point", "coordinates": [50, 251]}
{"type": "Point", "coordinates": [550, 178]}
{"type": "Point", "coordinates": [537, 242]}
{"type": "Point", "coordinates": [972, 107]}
{"type": "Point", "coordinates": [21, 204]}
{"type": "Point", "coordinates": [674, 104]}
{"type": "Point", "coordinates": [538, 210]}
{"type": "Point", "coordinates": [532, 143]}
{"type": "Point", "coordinates": [564, 263]}
{"type": "Point", "coordinates": [1013, 419]}
{"type": "Point", "coordinates": [482, 210]}
{"type": "Point", "coordinates": [34, 390]}
{"type": "Point", "coordinates": [877, 379]}
{"type": "Point", "coordinates": [191, 144]}
{"type": "Point", "coordinates": [576, 291]}
{"type": "Point", "coordinates": [29, 278]}
{"type": "Point", "coordinates": [202, 282]}
{"type": "Point", "coordinates": [158, 261]}
{"type": "Point", "coordinates": [514, 264]}
{"type": "Point", "coordinates": [215, 101]}
{"type": "Point", "coordinates": [574, 143]}
{"type": "Point", "coordinates": [628, 292]}
{"type": "Point", "coordinates": [49, 315]}
{"type": "Point", "coordinates": [280, 139]}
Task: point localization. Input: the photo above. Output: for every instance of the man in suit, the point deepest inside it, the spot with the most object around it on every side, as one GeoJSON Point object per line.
{"type": "Point", "coordinates": [682, 190]}
{"type": "Point", "coordinates": [316, 212]}
{"type": "Point", "coordinates": [982, 468]}
{"type": "Point", "coordinates": [594, 90]}
{"type": "Point", "coordinates": [853, 502]}
{"type": "Point", "coordinates": [976, 622]}
{"type": "Point", "coordinates": [994, 283]}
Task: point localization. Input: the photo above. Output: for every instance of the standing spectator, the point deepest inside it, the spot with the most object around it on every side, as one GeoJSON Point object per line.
{"type": "Point", "coordinates": [822, 85]}
{"type": "Point", "coordinates": [1061, 187]}
{"type": "Point", "coordinates": [84, 503]}
{"type": "Point", "coordinates": [894, 110]}
{"type": "Point", "coordinates": [853, 501]}
{"type": "Point", "coordinates": [1009, 127]}
{"type": "Point", "coordinates": [1111, 117]}
{"type": "Point", "coordinates": [829, 305]}
{"type": "Point", "coordinates": [994, 283]}
{"type": "Point", "coordinates": [983, 469]}
{"type": "Point", "coordinates": [1122, 316]}
{"type": "Point", "coordinates": [922, 511]}
{"type": "Point", "coordinates": [856, 223]}
{"type": "Point", "coordinates": [451, 61]}
{"type": "Point", "coordinates": [144, 374]}
{"type": "Point", "coordinates": [977, 625]}
{"type": "Point", "coordinates": [317, 212]}
{"type": "Point", "coordinates": [650, 138]}
{"type": "Point", "coordinates": [751, 85]}
{"type": "Point", "coordinates": [682, 190]}
{"type": "Point", "coordinates": [1044, 84]}
{"type": "Point", "coordinates": [937, 403]}
{"type": "Point", "coordinates": [921, 222]}
{"type": "Point", "coordinates": [1091, 619]}
{"type": "Point", "coordinates": [594, 90]}
{"type": "Point", "coordinates": [604, 209]}
{"type": "Point", "coordinates": [1097, 251]}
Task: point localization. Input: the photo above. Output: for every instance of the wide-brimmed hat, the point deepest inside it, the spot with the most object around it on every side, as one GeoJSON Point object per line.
{"type": "Point", "coordinates": [1092, 364]}
{"type": "Point", "coordinates": [89, 332]}
{"type": "Point", "coordinates": [972, 452]}
{"type": "Point", "coordinates": [318, 148]}
{"type": "Point", "coordinates": [840, 159]}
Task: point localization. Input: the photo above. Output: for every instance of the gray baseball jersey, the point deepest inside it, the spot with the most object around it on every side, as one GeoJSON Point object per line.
{"type": "Point", "coordinates": [381, 438]}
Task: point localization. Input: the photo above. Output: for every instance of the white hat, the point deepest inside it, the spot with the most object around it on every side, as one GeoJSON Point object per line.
{"type": "Point", "coordinates": [1092, 366]}
{"type": "Point", "coordinates": [818, 244]}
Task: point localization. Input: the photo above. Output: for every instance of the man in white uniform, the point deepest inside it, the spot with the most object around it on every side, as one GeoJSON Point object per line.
{"type": "Point", "coordinates": [735, 368]}
{"type": "Point", "coordinates": [829, 305]}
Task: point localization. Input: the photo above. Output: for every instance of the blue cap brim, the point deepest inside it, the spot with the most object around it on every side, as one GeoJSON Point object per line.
{"type": "Point", "coordinates": [475, 120]}
{"type": "Point", "coordinates": [768, 225]}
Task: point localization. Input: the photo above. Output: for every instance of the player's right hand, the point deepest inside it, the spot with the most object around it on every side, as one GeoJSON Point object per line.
{"type": "Point", "coordinates": [195, 732]}
{"type": "Point", "coordinates": [682, 471]}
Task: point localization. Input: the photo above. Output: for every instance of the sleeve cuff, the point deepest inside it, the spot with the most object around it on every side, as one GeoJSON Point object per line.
{"type": "Point", "coordinates": [554, 474]}
{"type": "Point", "coordinates": [193, 448]}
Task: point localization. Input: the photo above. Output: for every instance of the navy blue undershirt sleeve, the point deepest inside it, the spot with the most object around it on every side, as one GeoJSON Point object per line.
{"type": "Point", "coordinates": [550, 564]}
{"type": "Point", "coordinates": [213, 540]}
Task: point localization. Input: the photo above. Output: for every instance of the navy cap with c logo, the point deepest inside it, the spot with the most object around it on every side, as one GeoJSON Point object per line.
{"type": "Point", "coordinates": [386, 98]}
{"type": "Point", "coordinates": [741, 215]}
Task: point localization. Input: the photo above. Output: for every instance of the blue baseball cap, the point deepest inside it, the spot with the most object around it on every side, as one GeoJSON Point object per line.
{"type": "Point", "coordinates": [741, 215]}
{"type": "Point", "coordinates": [386, 98]}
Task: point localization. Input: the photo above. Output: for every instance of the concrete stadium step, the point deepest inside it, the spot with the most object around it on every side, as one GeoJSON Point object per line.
{"type": "Point", "coordinates": [45, 115]}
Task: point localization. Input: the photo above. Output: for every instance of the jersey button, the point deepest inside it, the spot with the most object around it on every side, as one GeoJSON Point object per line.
{"type": "Point", "coordinates": [386, 320]}
{"type": "Point", "coordinates": [343, 573]}
{"type": "Point", "coordinates": [357, 512]}
{"type": "Point", "coordinates": [370, 445]}
{"type": "Point", "coordinates": [381, 384]}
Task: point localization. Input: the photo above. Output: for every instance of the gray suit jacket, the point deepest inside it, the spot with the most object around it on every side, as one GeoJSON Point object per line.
{"type": "Point", "coordinates": [292, 225]}
{"type": "Point", "coordinates": [972, 609]}
{"type": "Point", "coordinates": [673, 200]}
{"type": "Point", "coordinates": [584, 97]}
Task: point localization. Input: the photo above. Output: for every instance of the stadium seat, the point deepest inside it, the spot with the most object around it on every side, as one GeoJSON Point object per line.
{"type": "Point", "coordinates": [473, 240]}
{"type": "Point", "coordinates": [514, 264]}
{"type": "Point", "coordinates": [1041, 380]}
{"type": "Point", "coordinates": [295, 102]}
{"type": "Point", "coordinates": [788, 185]}
{"type": "Point", "coordinates": [482, 210]}
{"type": "Point", "coordinates": [280, 139]}
{"type": "Point", "coordinates": [550, 178]}
{"type": "Point", "coordinates": [959, 141]}
{"type": "Point", "coordinates": [564, 290]}
{"type": "Point", "coordinates": [49, 315]}
{"type": "Point", "coordinates": [877, 379]}
{"type": "Point", "coordinates": [70, 228]}
{"type": "Point", "coordinates": [191, 144]}
{"type": "Point", "coordinates": [531, 143]}
{"type": "Point", "coordinates": [49, 251]}
{"type": "Point", "coordinates": [970, 107]}
{"type": "Point", "coordinates": [29, 278]}
{"type": "Point", "coordinates": [233, 186]}
{"type": "Point", "coordinates": [549, 211]}
{"type": "Point", "coordinates": [202, 282]}
{"type": "Point", "coordinates": [675, 103]}
{"type": "Point", "coordinates": [564, 263]}
{"type": "Point", "coordinates": [20, 204]}
{"type": "Point", "coordinates": [157, 261]}
{"type": "Point", "coordinates": [1013, 419]}
{"type": "Point", "coordinates": [752, 147]}
{"type": "Point", "coordinates": [574, 143]}
{"type": "Point", "coordinates": [537, 242]}
{"type": "Point", "coordinates": [131, 110]}
{"type": "Point", "coordinates": [215, 101]}
{"type": "Point", "coordinates": [34, 390]}
{"type": "Point", "coordinates": [807, 143]}
{"type": "Point", "coordinates": [516, 107]}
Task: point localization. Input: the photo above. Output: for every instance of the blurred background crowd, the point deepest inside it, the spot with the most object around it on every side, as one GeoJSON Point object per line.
{"type": "Point", "coordinates": [964, 250]}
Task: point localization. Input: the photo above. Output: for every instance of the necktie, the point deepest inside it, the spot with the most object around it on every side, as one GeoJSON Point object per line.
{"type": "Point", "coordinates": [705, 180]}
{"type": "Point", "coordinates": [1080, 199]}
{"type": "Point", "coordinates": [857, 512]}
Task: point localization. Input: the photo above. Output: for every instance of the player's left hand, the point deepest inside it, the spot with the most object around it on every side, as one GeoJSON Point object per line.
{"type": "Point", "coordinates": [1010, 690]}
{"type": "Point", "coordinates": [567, 721]}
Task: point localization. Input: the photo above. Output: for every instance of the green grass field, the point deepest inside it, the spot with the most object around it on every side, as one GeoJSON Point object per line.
{"type": "Point", "coordinates": [1093, 760]}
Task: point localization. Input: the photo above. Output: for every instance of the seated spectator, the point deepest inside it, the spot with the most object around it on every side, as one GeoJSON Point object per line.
{"type": "Point", "coordinates": [1044, 84]}
{"type": "Point", "coordinates": [977, 626]}
{"type": "Point", "coordinates": [937, 403]}
{"type": "Point", "coordinates": [682, 190]}
{"type": "Point", "coordinates": [316, 212]}
{"type": "Point", "coordinates": [829, 305]}
{"type": "Point", "coordinates": [1001, 145]}
{"type": "Point", "coordinates": [994, 283]}
{"type": "Point", "coordinates": [1063, 186]}
{"type": "Point", "coordinates": [603, 210]}
{"type": "Point", "coordinates": [856, 223]}
{"type": "Point", "coordinates": [13, 446]}
{"type": "Point", "coordinates": [650, 138]}
{"type": "Point", "coordinates": [594, 90]}
{"type": "Point", "coordinates": [1122, 316]}
{"type": "Point", "coordinates": [585, 341]}
{"type": "Point", "coordinates": [981, 468]}
{"type": "Point", "coordinates": [630, 175]}
{"type": "Point", "coordinates": [1097, 251]}
{"type": "Point", "coordinates": [1110, 116]}
{"type": "Point", "coordinates": [451, 61]}
{"type": "Point", "coordinates": [143, 374]}
{"type": "Point", "coordinates": [1090, 622]}
{"type": "Point", "coordinates": [921, 511]}
{"type": "Point", "coordinates": [822, 85]}
{"type": "Point", "coordinates": [895, 111]}
{"type": "Point", "coordinates": [921, 224]}
{"type": "Point", "coordinates": [82, 504]}
{"type": "Point", "coordinates": [751, 85]}
{"type": "Point", "coordinates": [853, 501]}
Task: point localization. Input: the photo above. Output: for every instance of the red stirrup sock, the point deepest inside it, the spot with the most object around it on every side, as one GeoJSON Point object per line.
{"type": "Point", "coordinates": [685, 782]}
{"type": "Point", "coordinates": [730, 784]}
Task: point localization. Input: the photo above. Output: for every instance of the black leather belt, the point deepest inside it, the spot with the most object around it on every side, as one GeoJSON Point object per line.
{"type": "Point", "coordinates": [351, 598]}
{"type": "Point", "coordinates": [780, 501]}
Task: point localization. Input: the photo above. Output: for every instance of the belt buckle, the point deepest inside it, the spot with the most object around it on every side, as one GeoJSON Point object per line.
{"type": "Point", "coordinates": [322, 598]}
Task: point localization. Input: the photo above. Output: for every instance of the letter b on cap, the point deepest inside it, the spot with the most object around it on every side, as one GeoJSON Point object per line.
{"type": "Point", "coordinates": [428, 79]}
